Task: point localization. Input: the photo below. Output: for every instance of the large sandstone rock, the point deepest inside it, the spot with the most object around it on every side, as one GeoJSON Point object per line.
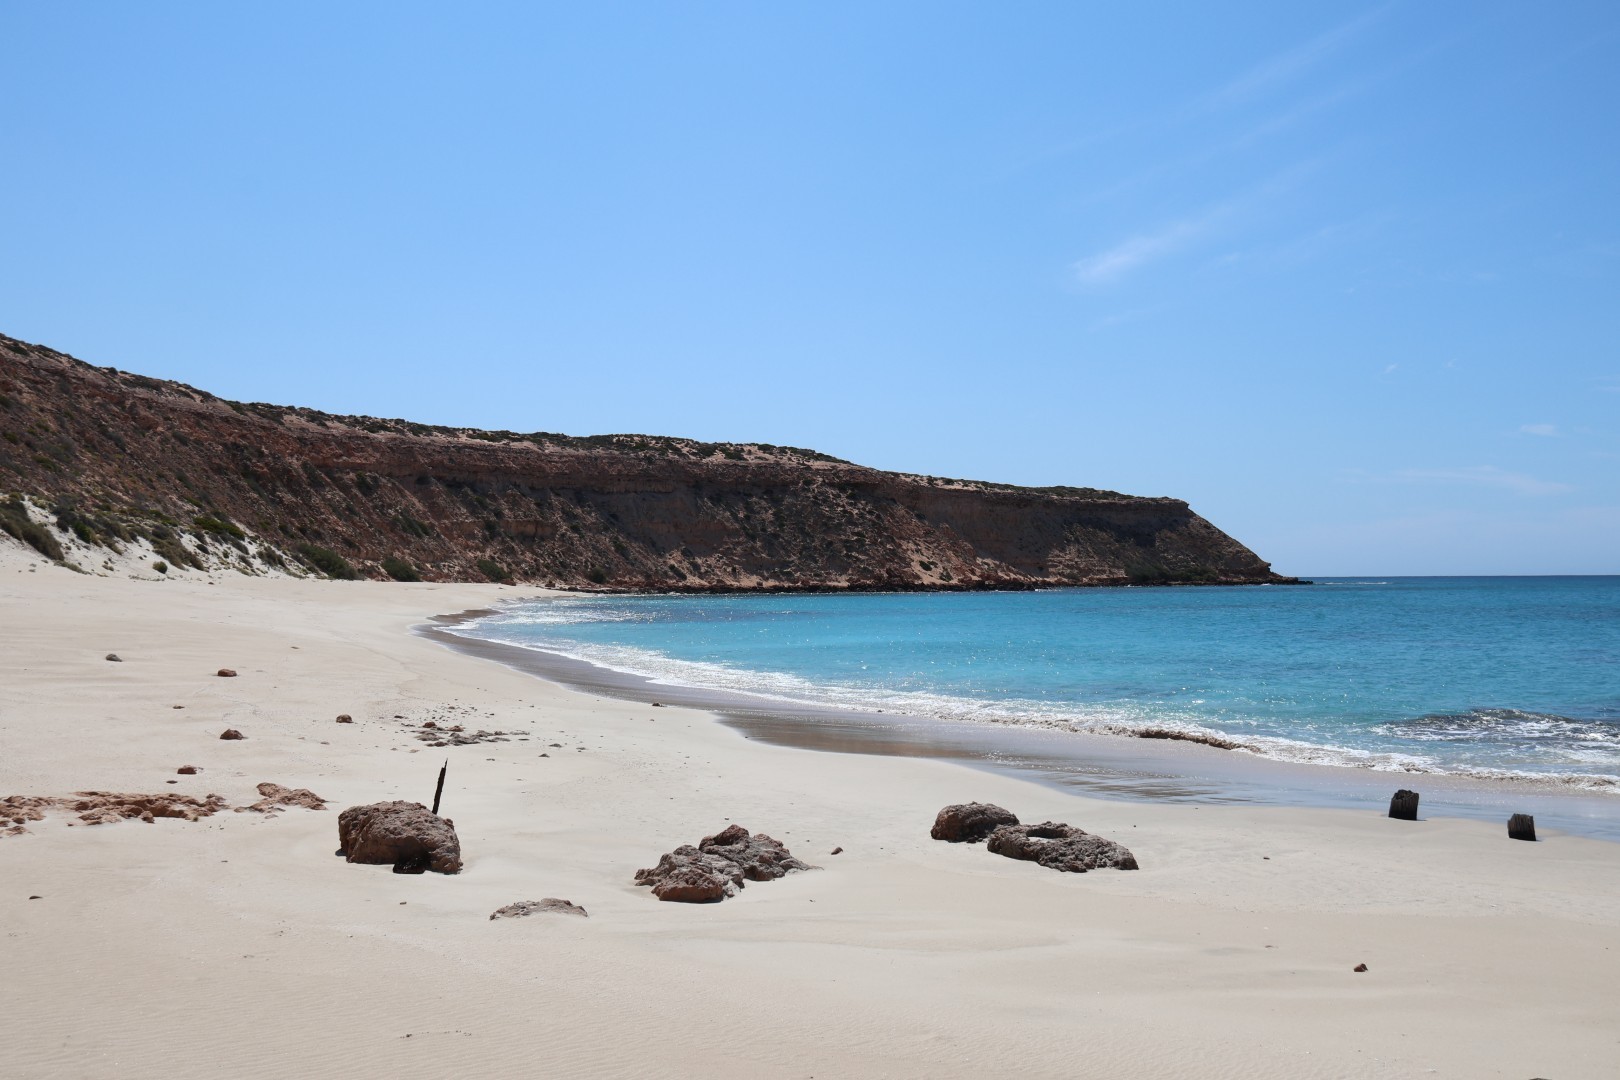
{"type": "Point", "coordinates": [1061, 847]}
{"type": "Point", "coordinates": [718, 866]}
{"type": "Point", "coordinates": [406, 834]}
{"type": "Point", "coordinates": [965, 822]}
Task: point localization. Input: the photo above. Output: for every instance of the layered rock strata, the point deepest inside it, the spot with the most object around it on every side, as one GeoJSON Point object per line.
{"type": "Point", "coordinates": [117, 459]}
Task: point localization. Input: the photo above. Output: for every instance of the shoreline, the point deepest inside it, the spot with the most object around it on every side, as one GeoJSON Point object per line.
{"type": "Point", "coordinates": [239, 945]}
{"type": "Point", "coordinates": [1114, 766]}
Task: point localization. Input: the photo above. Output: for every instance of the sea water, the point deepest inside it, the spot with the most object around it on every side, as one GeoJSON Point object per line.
{"type": "Point", "coordinates": [1493, 677]}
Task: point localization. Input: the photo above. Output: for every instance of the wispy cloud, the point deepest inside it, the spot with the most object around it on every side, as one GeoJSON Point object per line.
{"type": "Point", "coordinates": [1288, 65]}
{"type": "Point", "coordinates": [1122, 258]}
{"type": "Point", "coordinates": [1545, 431]}
{"type": "Point", "coordinates": [1486, 476]}
{"type": "Point", "coordinates": [1148, 246]}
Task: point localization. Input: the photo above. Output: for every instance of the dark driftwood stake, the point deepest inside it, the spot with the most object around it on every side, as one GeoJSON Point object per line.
{"type": "Point", "coordinates": [1403, 805]}
{"type": "Point", "coordinates": [438, 791]}
{"type": "Point", "coordinates": [1521, 827]}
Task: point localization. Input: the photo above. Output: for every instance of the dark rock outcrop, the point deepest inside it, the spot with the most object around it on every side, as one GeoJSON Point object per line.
{"type": "Point", "coordinates": [550, 904]}
{"type": "Point", "coordinates": [405, 834]}
{"type": "Point", "coordinates": [225, 673]}
{"type": "Point", "coordinates": [187, 770]}
{"type": "Point", "coordinates": [121, 457]}
{"type": "Point", "coordinates": [1061, 847]}
{"type": "Point", "coordinates": [969, 822]}
{"type": "Point", "coordinates": [718, 866]}
{"type": "Point", "coordinates": [231, 735]}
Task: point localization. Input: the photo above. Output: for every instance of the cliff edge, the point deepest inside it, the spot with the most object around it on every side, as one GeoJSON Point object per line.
{"type": "Point", "coordinates": [119, 461]}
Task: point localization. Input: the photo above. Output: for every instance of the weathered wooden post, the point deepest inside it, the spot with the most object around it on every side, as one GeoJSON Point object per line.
{"type": "Point", "coordinates": [1521, 827]}
{"type": "Point", "coordinates": [1403, 805]}
{"type": "Point", "coordinates": [438, 791]}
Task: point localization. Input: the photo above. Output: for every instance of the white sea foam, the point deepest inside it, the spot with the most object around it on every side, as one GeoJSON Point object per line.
{"type": "Point", "coordinates": [1112, 719]}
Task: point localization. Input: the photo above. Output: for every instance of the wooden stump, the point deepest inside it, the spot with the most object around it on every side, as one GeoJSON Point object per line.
{"type": "Point", "coordinates": [1403, 805]}
{"type": "Point", "coordinates": [1521, 827]}
{"type": "Point", "coordinates": [438, 792]}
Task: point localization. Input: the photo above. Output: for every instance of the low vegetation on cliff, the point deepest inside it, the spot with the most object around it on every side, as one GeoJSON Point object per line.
{"type": "Point", "coordinates": [114, 461]}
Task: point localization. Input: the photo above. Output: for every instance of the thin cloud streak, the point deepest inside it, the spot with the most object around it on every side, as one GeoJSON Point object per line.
{"type": "Point", "coordinates": [1545, 431]}
{"type": "Point", "coordinates": [1113, 263]}
{"type": "Point", "coordinates": [1139, 250]}
{"type": "Point", "coordinates": [1289, 64]}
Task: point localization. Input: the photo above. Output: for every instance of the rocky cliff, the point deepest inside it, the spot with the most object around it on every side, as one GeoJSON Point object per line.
{"type": "Point", "coordinates": [118, 459]}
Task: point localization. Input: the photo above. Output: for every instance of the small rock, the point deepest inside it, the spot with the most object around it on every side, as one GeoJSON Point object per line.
{"type": "Point", "coordinates": [178, 706]}
{"type": "Point", "coordinates": [345, 718]}
{"type": "Point", "coordinates": [115, 658]}
{"type": "Point", "coordinates": [36, 897]}
{"type": "Point", "coordinates": [968, 822]}
{"type": "Point", "coordinates": [231, 734]}
{"type": "Point", "coordinates": [533, 907]}
{"type": "Point", "coordinates": [1359, 967]}
{"type": "Point", "coordinates": [430, 725]}
{"type": "Point", "coordinates": [188, 770]}
{"type": "Point", "coordinates": [171, 781]}
{"type": "Point", "coordinates": [226, 673]}
{"type": "Point", "coordinates": [658, 705]}
{"type": "Point", "coordinates": [837, 851]}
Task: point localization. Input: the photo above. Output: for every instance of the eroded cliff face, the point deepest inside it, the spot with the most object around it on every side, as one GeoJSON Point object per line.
{"type": "Point", "coordinates": [115, 455]}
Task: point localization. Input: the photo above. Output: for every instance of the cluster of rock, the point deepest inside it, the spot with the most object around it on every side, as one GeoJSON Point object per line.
{"type": "Point", "coordinates": [718, 866]}
{"type": "Point", "coordinates": [405, 834]}
{"type": "Point", "coordinates": [1051, 843]}
{"type": "Point", "coordinates": [457, 735]}
{"type": "Point", "coordinates": [102, 807]}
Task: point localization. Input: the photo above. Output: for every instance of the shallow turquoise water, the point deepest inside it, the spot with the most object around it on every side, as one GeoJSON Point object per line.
{"type": "Point", "coordinates": [1466, 675]}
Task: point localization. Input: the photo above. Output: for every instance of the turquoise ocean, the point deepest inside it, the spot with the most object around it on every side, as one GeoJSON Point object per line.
{"type": "Point", "coordinates": [1490, 677]}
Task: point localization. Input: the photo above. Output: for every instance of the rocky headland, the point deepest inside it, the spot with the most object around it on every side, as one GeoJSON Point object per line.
{"type": "Point", "coordinates": [95, 461]}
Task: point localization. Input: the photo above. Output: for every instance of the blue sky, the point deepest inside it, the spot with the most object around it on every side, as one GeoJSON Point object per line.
{"type": "Point", "coordinates": [1342, 276]}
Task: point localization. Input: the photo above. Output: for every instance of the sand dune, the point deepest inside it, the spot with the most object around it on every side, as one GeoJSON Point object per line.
{"type": "Point", "coordinates": [237, 945]}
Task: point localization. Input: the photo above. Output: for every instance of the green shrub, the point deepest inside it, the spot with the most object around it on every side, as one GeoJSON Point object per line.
{"type": "Point", "coordinates": [412, 526]}
{"type": "Point", "coordinates": [220, 525]}
{"type": "Point", "coordinates": [400, 570]}
{"type": "Point", "coordinates": [15, 521]}
{"type": "Point", "coordinates": [596, 575]}
{"type": "Point", "coordinates": [327, 562]}
{"type": "Point", "coordinates": [161, 567]}
{"type": "Point", "coordinates": [493, 570]}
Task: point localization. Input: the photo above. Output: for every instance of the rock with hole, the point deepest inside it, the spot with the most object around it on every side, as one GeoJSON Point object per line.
{"type": "Point", "coordinates": [1060, 847]}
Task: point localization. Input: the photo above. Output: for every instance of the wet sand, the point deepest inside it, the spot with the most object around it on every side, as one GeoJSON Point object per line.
{"type": "Point", "coordinates": [1106, 766]}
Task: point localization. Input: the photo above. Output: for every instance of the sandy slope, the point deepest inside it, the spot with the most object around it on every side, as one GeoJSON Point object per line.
{"type": "Point", "coordinates": [239, 946]}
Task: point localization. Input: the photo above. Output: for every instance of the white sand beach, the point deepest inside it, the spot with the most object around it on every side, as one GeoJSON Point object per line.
{"type": "Point", "coordinates": [240, 946]}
